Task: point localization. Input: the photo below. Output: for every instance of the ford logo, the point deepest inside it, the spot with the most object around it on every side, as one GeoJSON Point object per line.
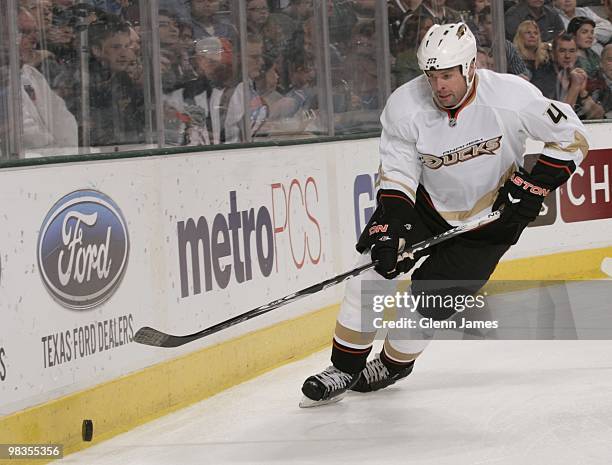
{"type": "Point", "coordinates": [83, 248]}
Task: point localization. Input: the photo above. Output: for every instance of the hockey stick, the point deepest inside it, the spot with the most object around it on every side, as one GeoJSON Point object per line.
{"type": "Point", "coordinates": [153, 337]}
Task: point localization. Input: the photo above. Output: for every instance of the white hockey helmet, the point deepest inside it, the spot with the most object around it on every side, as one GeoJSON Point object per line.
{"type": "Point", "coordinates": [448, 45]}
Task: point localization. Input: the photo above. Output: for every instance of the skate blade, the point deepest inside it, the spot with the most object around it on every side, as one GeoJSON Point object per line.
{"type": "Point", "coordinates": [308, 403]}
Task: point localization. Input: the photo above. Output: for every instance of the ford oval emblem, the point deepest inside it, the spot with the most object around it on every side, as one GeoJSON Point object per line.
{"type": "Point", "coordinates": [83, 249]}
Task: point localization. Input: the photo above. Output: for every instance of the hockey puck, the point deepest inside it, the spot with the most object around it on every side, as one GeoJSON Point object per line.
{"type": "Point", "coordinates": [87, 430]}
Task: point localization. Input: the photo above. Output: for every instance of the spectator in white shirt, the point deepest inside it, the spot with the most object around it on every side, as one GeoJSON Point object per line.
{"type": "Point", "coordinates": [47, 123]}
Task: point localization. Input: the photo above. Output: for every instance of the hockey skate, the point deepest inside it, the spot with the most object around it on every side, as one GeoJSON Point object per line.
{"type": "Point", "coordinates": [326, 387]}
{"type": "Point", "coordinates": [376, 376]}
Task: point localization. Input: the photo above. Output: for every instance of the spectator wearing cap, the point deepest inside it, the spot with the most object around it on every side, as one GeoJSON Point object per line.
{"type": "Point", "coordinates": [603, 28]}
{"type": "Point", "coordinates": [199, 109]}
{"type": "Point", "coordinates": [583, 29]}
{"type": "Point", "coordinates": [546, 17]}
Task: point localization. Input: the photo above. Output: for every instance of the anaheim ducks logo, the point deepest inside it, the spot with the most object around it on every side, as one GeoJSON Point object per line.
{"type": "Point", "coordinates": [461, 31]}
{"type": "Point", "coordinates": [487, 147]}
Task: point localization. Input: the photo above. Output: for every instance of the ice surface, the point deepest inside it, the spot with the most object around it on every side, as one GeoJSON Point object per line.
{"type": "Point", "coordinates": [467, 402]}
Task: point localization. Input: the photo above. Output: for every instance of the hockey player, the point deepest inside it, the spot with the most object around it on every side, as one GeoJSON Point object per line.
{"type": "Point", "coordinates": [445, 161]}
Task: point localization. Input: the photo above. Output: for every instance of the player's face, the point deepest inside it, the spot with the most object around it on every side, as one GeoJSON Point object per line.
{"type": "Point", "coordinates": [448, 86]}
{"type": "Point", "coordinates": [585, 36]}
{"type": "Point", "coordinates": [565, 54]}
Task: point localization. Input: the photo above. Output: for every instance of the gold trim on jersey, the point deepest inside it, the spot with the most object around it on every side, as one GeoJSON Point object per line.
{"type": "Point", "coordinates": [481, 204]}
{"type": "Point", "coordinates": [580, 143]}
{"type": "Point", "coordinates": [397, 355]}
{"type": "Point", "coordinates": [383, 177]}
{"type": "Point", "coordinates": [344, 334]}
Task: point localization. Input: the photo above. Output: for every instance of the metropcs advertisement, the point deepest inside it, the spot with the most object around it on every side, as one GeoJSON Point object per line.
{"type": "Point", "coordinates": [261, 231]}
{"type": "Point", "coordinates": [233, 246]}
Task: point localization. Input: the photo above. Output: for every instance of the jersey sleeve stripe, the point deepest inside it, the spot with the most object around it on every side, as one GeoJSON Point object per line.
{"type": "Point", "coordinates": [404, 187]}
{"type": "Point", "coordinates": [561, 167]}
{"type": "Point", "coordinates": [580, 143]}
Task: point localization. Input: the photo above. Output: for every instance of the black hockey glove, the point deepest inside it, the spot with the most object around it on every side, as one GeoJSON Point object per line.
{"type": "Point", "coordinates": [523, 194]}
{"type": "Point", "coordinates": [521, 198]}
{"type": "Point", "coordinates": [392, 226]}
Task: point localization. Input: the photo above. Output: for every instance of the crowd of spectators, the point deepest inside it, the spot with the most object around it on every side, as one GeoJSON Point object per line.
{"type": "Point", "coordinates": [83, 79]}
{"type": "Point", "coordinates": [561, 48]}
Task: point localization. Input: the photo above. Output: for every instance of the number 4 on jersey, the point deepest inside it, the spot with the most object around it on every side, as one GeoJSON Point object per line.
{"type": "Point", "coordinates": [555, 113]}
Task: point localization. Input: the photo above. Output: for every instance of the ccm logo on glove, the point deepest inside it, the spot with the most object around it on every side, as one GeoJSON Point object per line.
{"type": "Point", "coordinates": [379, 228]}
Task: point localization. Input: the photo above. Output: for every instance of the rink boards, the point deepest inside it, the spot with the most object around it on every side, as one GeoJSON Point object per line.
{"type": "Point", "coordinates": [92, 251]}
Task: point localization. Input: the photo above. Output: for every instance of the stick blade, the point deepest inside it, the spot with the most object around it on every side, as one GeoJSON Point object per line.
{"type": "Point", "coordinates": [152, 337]}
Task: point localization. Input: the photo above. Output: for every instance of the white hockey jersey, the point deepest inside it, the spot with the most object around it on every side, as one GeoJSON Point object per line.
{"type": "Point", "coordinates": [461, 162]}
